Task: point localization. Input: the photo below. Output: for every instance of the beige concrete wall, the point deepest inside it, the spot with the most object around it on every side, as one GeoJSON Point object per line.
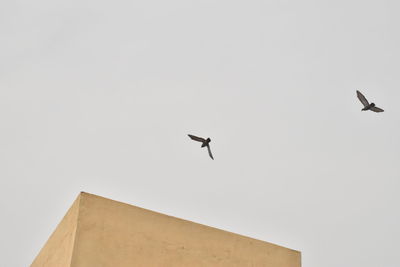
{"type": "Point", "coordinates": [57, 251]}
{"type": "Point", "coordinates": [114, 234]}
{"type": "Point", "coordinates": [99, 232]}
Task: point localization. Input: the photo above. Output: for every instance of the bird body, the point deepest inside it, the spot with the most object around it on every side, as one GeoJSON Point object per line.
{"type": "Point", "coordinates": [204, 143]}
{"type": "Point", "coordinates": [367, 105]}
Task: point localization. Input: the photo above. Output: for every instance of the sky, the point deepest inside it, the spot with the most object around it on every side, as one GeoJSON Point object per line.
{"type": "Point", "coordinates": [99, 96]}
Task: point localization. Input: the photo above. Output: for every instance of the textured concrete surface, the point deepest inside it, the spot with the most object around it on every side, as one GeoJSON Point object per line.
{"type": "Point", "coordinates": [109, 234]}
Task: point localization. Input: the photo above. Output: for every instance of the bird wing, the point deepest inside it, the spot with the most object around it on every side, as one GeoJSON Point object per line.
{"type": "Point", "coordinates": [209, 152]}
{"type": "Point", "coordinates": [196, 138]}
{"type": "Point", "coordinates": [362, 98]}
{"type": "Point", "coordinates": [376, 109]}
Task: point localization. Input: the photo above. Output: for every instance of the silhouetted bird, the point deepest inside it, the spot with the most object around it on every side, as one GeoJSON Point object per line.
{"type": "Point", "coordinates": [204, 142]}
{"type": "Point", "coordinates": [367, 105]}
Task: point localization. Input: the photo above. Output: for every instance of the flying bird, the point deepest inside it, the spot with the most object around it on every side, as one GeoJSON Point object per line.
{"type": "Point", "coordinates": [367, 105]}
{"type": "Point", "coordinates": [204, 142]}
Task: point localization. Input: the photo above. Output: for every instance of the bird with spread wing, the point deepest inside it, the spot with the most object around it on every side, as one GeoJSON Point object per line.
{"type": "Point", "coordinates": [204, 142]}
{"type": "Point", "coordinates": [367, 105]}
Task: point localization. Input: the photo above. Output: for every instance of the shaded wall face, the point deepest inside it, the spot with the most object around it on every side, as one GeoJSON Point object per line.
{"type": "Point", "coordinates": [112, 234]}
{"type": "Point", "coordinates": [58, 250]}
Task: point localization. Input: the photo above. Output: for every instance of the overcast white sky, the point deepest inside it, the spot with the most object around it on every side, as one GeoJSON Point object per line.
{"type": "Point", "coordinates": [99, 96]}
